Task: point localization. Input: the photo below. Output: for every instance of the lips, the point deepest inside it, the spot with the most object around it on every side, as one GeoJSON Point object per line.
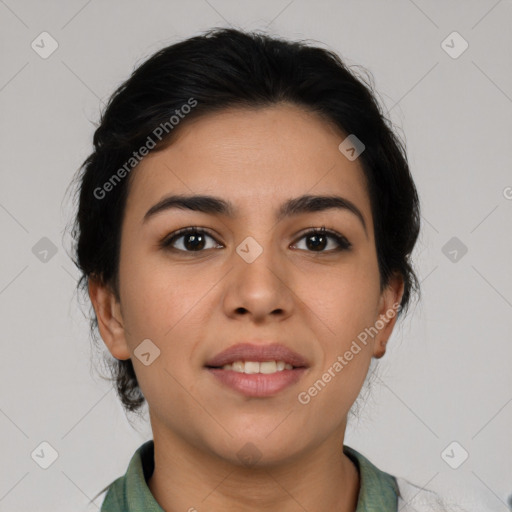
{"type": "Point", "coordinates": [257, 353]}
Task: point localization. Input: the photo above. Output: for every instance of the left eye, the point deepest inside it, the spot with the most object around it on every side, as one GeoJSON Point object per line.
{"type": "Point", "coordinates": [318, 239]}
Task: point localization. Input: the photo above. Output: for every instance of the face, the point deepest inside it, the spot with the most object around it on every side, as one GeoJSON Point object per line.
{"type": "Point", "coordinates": [247, 275]}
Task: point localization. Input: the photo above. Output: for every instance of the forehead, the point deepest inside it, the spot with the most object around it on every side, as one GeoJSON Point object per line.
{"type": "Point", "coordinates": [254, 158]}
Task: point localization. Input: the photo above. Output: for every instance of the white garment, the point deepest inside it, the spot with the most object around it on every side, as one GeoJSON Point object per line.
{"type": "Point", "coordinates": [415, 499]}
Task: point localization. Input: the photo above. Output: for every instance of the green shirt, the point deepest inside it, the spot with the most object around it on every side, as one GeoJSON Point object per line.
{"type": "Point", "coordinates": [130, 492]}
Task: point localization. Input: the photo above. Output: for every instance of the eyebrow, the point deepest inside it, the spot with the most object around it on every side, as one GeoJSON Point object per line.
{"type": "Point", "coordinates": [218, 206]}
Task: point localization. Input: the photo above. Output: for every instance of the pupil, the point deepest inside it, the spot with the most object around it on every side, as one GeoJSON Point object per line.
{"type": "Point", "coordinates": [197, 241]}
{"type": "Point", "coordinates": [316, 244]}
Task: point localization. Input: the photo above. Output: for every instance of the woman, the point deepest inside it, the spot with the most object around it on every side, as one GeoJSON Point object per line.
{"type": "Point", "coordinates": [244, 230]}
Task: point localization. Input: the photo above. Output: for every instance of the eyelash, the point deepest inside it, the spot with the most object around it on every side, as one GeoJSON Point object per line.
{"type": "Point", "coordinates": [343, 243]}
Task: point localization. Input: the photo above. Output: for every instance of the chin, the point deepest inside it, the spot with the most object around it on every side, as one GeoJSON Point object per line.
{"type": "Point", "coordinates": [263, 450]}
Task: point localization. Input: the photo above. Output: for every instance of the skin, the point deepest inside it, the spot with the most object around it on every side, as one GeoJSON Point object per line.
{"type": "Point", "coordinates": [193, 305]}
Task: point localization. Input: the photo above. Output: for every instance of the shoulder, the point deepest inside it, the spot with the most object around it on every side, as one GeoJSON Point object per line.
{"type": "Point", "coordinates": [408, 497]}
{"type": "Point", "coordinates": [95, 504]}
{"type": "Point", "coordinates": [112, 498]}
{"type": "Point", "coordinates": [128, 488]}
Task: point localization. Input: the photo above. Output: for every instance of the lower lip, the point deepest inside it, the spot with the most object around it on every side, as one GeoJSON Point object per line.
{"type": "Point", "coordinates": [258, 384]}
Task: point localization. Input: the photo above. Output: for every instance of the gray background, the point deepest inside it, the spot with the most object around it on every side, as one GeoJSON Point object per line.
{"type": "Point", "coordinates": [446, 376]}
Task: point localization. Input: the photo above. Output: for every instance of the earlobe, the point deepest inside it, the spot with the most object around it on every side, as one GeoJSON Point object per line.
{"type": "Point", "coordinates": [110, 322]}
{"type": "Point", "coordinates": [379, 349]}
{"type": "Point", "coordinates": [389, 305]}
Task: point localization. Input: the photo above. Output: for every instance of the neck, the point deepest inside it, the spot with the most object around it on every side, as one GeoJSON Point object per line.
{"type": "Point", "coordinates": [186, 478]}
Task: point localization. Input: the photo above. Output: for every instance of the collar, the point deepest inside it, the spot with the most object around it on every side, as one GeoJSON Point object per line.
{"type": "Point", "coordinates": [130, 493]}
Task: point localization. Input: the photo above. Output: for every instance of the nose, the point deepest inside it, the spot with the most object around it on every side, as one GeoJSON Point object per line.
{"type": "Point", "coordinates": [258, 286]}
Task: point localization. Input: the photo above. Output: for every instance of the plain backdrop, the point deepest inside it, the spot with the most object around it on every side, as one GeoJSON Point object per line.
{"type": "Point", "coordinates": [447, 374]}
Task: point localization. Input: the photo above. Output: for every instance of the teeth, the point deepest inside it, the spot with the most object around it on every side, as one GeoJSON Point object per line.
{"type": "Point", "coordinates": [268, 367]}
{"type": "Point", "coordinates": [251, 367]}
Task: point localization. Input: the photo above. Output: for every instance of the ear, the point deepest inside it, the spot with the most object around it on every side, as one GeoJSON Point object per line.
{"type": "Point", "coordinates": [110, 320]}
{"type": "Point", "coordinates": [389, 305]}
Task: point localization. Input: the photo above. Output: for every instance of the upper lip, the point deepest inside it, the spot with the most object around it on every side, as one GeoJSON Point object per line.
{"type": "Point", "coordinates": [258, 353]}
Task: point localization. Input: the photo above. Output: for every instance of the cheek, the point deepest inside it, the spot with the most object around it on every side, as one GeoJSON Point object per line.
{"type": "Point", "coordinates": [156, 302]}
{"type": "Point", "coordinates": [342, 304]}
{"type": "Point", "coordinates": [171, 306]}
{"type": "Point", "coordinates": [161, 306]}
{"type": "Point", "coordinates": [344, 298]}
{"type": "Point", "coordinates": [336, 382]}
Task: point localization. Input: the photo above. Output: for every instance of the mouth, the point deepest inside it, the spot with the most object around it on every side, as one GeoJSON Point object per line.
{"type": "Point", "coordinates": [257, 370]}
{"type": "Point", "coordinates": [253, 367]}
{"type": "Point", "coordinates": [244, 356]}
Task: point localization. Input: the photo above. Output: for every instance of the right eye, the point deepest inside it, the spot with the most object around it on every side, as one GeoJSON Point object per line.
{"type": "Point", "coordinates": [191, 239]}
